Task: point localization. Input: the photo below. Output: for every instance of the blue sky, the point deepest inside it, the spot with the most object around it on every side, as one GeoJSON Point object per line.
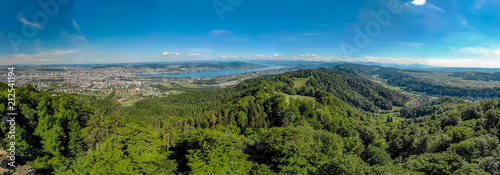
{"type": "Point", "coordinates": [455, 33]}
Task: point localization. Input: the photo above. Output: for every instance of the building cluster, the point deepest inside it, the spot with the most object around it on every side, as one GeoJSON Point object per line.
{"type": "Point", "coordinates": [122, 80]}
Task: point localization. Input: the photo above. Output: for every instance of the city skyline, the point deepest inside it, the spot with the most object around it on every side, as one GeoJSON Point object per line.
{"type": "Point", "coordinates": [436, 33]}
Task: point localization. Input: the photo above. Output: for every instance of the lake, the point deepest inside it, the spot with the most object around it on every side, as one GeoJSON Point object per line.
{"type": "Point", "coordinates": [212, 73]}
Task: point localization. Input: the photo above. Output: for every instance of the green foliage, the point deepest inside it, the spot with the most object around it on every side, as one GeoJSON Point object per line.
{"type": "Point", "coordinates": [214, 152]}
{"type": "Point", "coordinates": [475, 148]}
{"type": "Point", "coordinates": [376, 156]}
{"type": "Point", "coordinates": [354, 90]}
{"type": "Point", "coordinates": [253, 128]}
{"type": "Point", "coordinates": [470, 170]}
{"type": "Point", "coordinates": [132, 150]}
{"type": "Point", "coordinates": [299, 150]}
{"type": "Point", "coordinates": [393, 170]}
{"type": "Point", "coordinates": [461, 133]}
{"type": "Point", "coordinates": [431, 163]}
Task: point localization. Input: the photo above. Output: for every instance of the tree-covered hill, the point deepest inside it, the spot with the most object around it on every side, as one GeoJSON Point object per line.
{"type": "Point", "coordinates": [355, 90]}
{"type": "Point", "coordinates": [319, 121]}
{"type": "Point", "coordinates": [477, 76]}
{"type": "Point", "coordinates": [405, 78]}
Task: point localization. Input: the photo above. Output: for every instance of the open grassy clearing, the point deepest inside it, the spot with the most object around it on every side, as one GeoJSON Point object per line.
{"type": "Point", "coordinates": [394, 108]}
{"type": "Point", "coordinates": [299, 82]}
{"type": "Point", "coordinates": [395, 119]}
{"type": "Point", "coordinates": [393, 87]}
{"type": "Point", "coordinates": [167, 85]}
{"type": "Point", "coordinates": [189, 85]}
{"type": "Point", "coordinates": [288, 97]}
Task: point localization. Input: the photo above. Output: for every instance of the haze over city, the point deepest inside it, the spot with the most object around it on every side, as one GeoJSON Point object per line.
{"type": "Point", "coordinates": [435, 33]}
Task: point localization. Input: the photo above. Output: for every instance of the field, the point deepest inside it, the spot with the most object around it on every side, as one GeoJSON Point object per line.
{"type": "Point", "coordinates": [395, 119]}
{"type": "Point", "coordinates": [189, 85]}
{"type": "Point", "coordinates": [393, 87]}
{"type": "Point", "coordinates": [180, 86]}
{"type": "Point", "coordinates": [400, 89]}
{"type": "Point", "coordinates": [394, 109]}
{"type": "Point", "coordinates": [288, 97]}
{"type": "Point", "coordinates": [167, 85]}
{"type": "Point", "coordinates": [128, 101]}
{"type": "Point", "coordinates": [299, 82]}
{"type": "Point", "coordinates": [390, 113]}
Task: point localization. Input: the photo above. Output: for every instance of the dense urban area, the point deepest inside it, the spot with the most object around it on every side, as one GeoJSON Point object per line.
{"type": "Point", "coordinates": [126, 83]}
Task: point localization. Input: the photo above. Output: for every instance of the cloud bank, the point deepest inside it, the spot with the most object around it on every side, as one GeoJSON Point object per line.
{"type": "Point", "coordinates": [418, 2]}
{"type": "Point", "coordinates": [165, 53]}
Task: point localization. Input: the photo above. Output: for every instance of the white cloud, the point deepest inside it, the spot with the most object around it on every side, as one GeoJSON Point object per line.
{"type": "Point", "coordinates": [490, 58]}
{"type": "Point", "coordinates": [72, 37]}
{"type": "Point", "coordinates": [466, 24]}
{"type": "Point", "coordinates": [474, 57]}
{"type": "Point", "coordinates": [412, 44]}
{"type": "Point", "coordinates": [315, 57]}
{"type": "Point", "coordinates": [311, 34]}
{"type": "Point", "coordinates": [26, 22]}
{"type": "Point", "coordinates": [290, 39]}
{"type": "Point", "coordinates": [232, 56]}
{"type": "Point", "coordinates": [77, 27]}
{"type": "Point", "coordinates": [483, 62]}
{"type": "Point", "coordinates": [437, 8]}
{"type": "Point", "coordinates": [476, 50]}
{"type": "Point", "coordinates": [62, 52]}
{"type": "Point", "coordinates": [406, 61]}
{"type": "Point", "coordinates": [165, 53]}
{"type": "Point", "coordinates": [485, 52]}
{"type": "Point", "coordinates": [202, 49]}
{"type": "Point", "coordinates": [219, 32]}
{"type": "Point", "coordinates": [194, 54]}
{"type": "Point", "coordinates": [497, 52]}
{"type": "Point", "coordinates": [78, 37]}
{"type": "Point", "coordinates": [47, 61]}
{"type": "Point", "coordinates": [47, 57]}
{"type": "Point", "coordinates": [264, 57]}
{"type": "Point", "coordinates": [479, 4]}
{"type": "Point", "coordinates": [418, 2]}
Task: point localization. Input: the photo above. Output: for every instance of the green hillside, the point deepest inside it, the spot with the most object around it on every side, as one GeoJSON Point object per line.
{"type": "Point", "coordinates": [318, 121]}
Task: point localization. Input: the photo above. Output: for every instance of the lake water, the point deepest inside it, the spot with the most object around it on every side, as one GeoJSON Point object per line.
{"type": "Point", "coordinates": [212, 73]}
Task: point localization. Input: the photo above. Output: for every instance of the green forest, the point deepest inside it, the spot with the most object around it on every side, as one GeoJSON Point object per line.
{"type": "Point", "coordinates": [317, 121]}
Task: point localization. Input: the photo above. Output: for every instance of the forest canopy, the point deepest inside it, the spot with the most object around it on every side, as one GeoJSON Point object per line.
{"type": "Point", "coordinates": [329, 123]}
